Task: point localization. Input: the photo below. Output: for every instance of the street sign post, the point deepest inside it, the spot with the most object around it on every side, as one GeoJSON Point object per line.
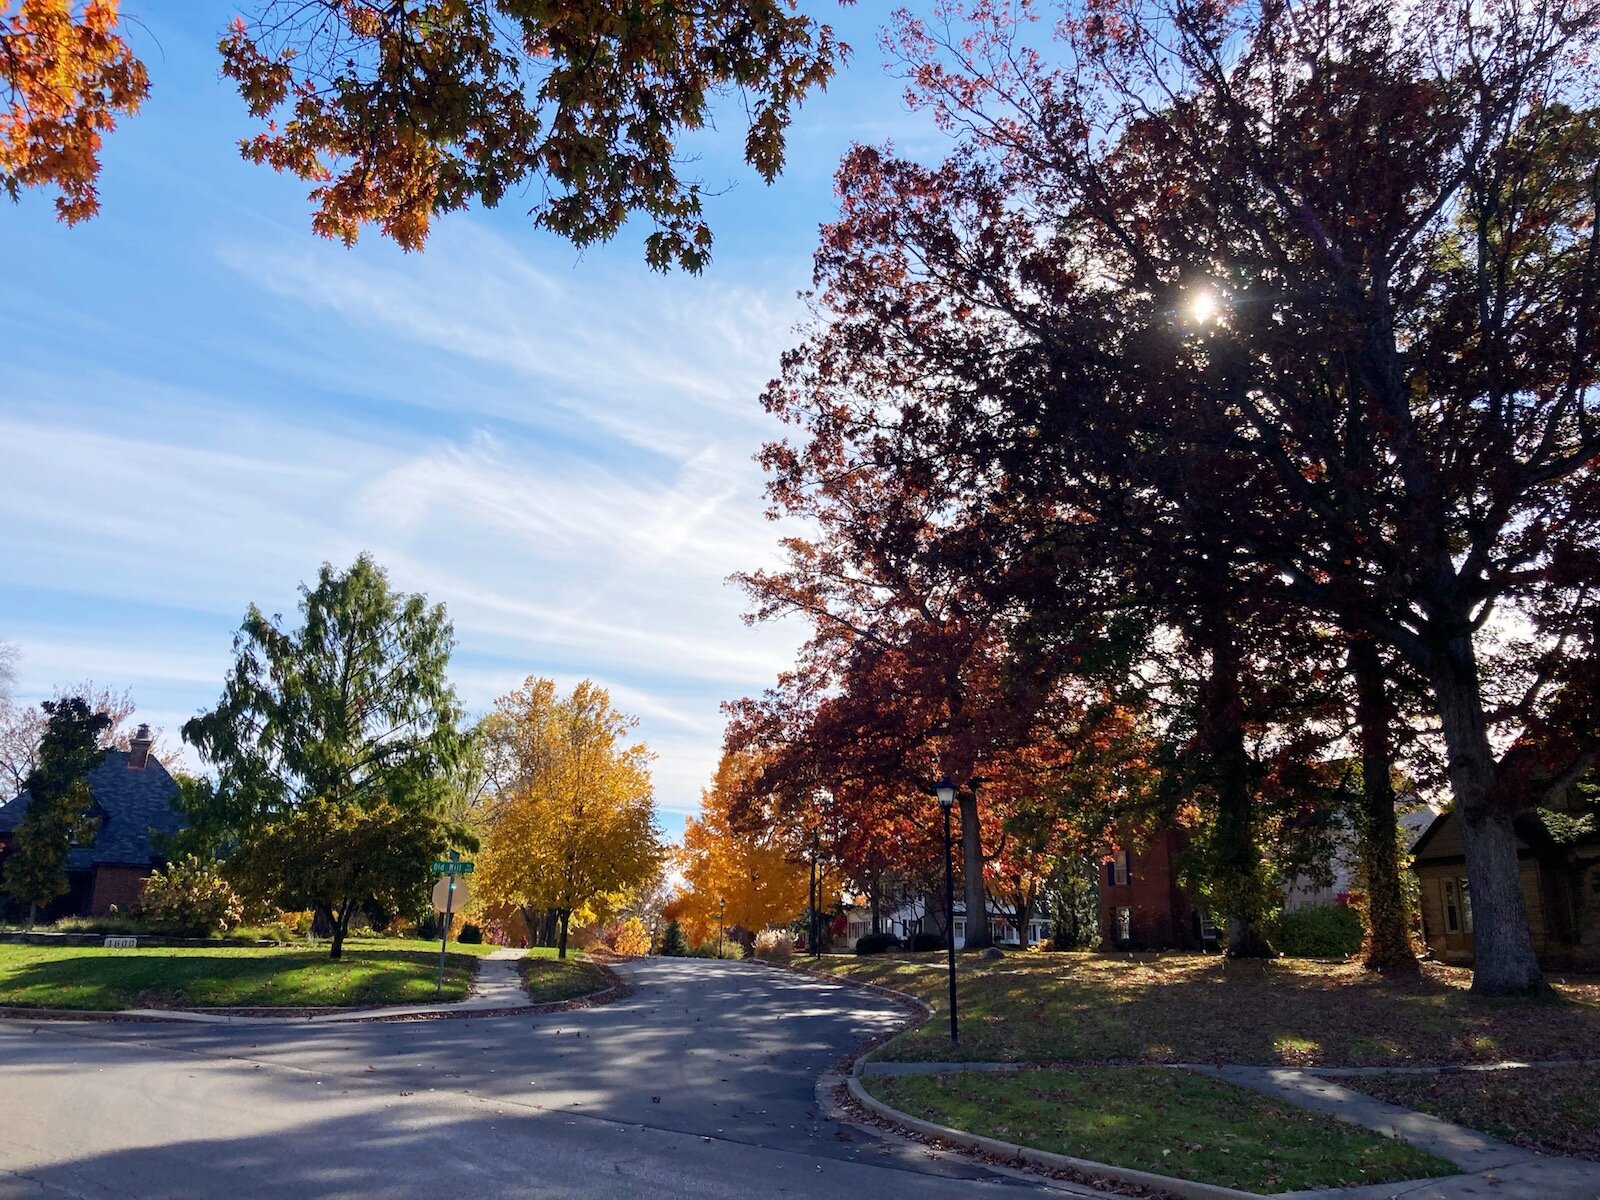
{"type": "Point", "coordinates": [447, 890]}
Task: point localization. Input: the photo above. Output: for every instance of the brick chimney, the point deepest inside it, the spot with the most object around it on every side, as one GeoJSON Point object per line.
{"type": "Point", "coordinates": [139, 749]}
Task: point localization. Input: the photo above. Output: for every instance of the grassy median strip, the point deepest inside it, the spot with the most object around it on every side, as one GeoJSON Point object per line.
{"type": "Point", "coordinates": [1080, 1007]}
{"type": "Point", "coordinates": [372, 972]}
{"type": "Point", "coordinates": [550, 980]}
{"type": "Point", "coordinates": [1168, 1121]}
{"type": "Point", "coordinates": [1554, 1110]}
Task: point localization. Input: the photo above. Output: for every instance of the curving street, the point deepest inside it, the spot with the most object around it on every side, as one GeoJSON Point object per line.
{"type": "Point", "coordinates": [700, 1083]}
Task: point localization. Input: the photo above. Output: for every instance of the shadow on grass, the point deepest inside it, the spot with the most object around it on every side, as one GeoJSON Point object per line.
{"type": "Point", "coordinates": [1197, 1008]}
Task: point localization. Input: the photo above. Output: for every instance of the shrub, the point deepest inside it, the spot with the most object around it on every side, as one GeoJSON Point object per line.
{"type": "Point", "coordinates": [878, 943]}
{"type": "Point", "coordinates": [730, 949]}
{"type": "Point", "coordinates": [672, 942]}
{"type": "Point", "coordinates": [632, 937]}
{"type": "Point", "coordinates": [189, 898]}
{"type": "Point", "coordinates": [1326, 931]}
{"type": "Point", "coordinates": [110, 923]}
{"type": "Point", "coordinates": [927, 941]}
{"type": "Point", "coordinates": [773, 945]}
{"type": "Point", "coordinates": [471, 935]}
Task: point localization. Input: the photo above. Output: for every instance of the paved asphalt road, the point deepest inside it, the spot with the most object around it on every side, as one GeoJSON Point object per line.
{"type": "Point", "coordinates": [698, 1084]}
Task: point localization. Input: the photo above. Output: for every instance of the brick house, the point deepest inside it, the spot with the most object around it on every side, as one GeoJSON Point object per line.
{"type": "Point", "coordinates": [1142, 904]}
{"type": "Point", "coordinates": [132, 799]}
{"type": "Point", "coordinates": [1560, 889]}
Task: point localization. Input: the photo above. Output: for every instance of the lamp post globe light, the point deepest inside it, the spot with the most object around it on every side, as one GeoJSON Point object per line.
{"type": "Point", "coordinates": [946, 791]}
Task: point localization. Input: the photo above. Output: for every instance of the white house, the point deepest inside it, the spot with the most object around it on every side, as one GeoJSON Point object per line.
{"type": "Point", "coordinates": [910, 918]}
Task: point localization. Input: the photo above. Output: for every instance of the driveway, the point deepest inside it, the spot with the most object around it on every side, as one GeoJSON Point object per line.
{"type": "Point", "coordinates": [698, 1084]}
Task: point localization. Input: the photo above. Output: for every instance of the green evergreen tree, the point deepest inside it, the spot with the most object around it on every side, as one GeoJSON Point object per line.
{"type": "Point", "coordinates": [672, 941]}
{"type": "Point", "coordinates": [335, 745]}
{"type": "Point", "coordinates": [58, 803]}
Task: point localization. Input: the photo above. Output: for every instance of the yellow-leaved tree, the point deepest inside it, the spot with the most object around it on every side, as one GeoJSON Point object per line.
{"type": "Point", "coordinates": [570, 822]}
{"type": "Point", "coordinates": [737, 872]}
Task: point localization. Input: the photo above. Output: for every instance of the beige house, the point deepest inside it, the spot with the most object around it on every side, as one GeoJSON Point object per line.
{"type": "Point", "coordinates": [1560, 886]}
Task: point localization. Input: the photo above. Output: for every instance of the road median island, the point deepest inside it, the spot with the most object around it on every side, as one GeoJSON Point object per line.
{"type": "Point", "coordinates": [40, 981]}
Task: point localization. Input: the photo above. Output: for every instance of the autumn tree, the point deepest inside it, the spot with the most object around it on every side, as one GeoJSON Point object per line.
{"type": "Point", "coordinates": [571, 823]}
{"type": "Point", "coordinates": [739, 872]}
{"type": "Point", "coordinates": [333, 747]}
{"type": "Point", "coordinates": [1314, 282]}
{"type": "Point", "coordinates": [59, 804]}
{"type": "Point", "coordinates": [400, 112]}
{"type": "Point", "coordinates": [66, 75]}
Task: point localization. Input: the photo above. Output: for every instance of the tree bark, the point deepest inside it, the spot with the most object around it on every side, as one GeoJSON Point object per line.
{"type": "Point", "coordinates": [341, 924]}
{"type": "Point", "coordinates": [33, 912]}
{"type": "Point", "coordinates": [977, 900]}
{"type": "Point", "coordinates": [1504, 963]}
{"type": "Point", "coordinates": [1238, 860]}
{"type": "Point", "coordinates": [566, 916]}
{"type": "Point", "coordinates": [1388, 947]}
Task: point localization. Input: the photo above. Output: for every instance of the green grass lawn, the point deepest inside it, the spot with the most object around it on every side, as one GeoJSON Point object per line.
{"type": "Point", "coordinates": [550, 980]}
{"type": "Point", "coordinates": [1554, 1110]}
{"type": "Point", "coordinates": [373, 971]}
{"type": "Point", "coordinates": [1168, 1121]}
{"type": "Point", "coordinates": [1101, 1008]}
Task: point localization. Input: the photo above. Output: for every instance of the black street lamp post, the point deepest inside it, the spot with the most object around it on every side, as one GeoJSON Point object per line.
{"type": "Point", "coordinates": [946, 792]}
{"type": "Point", "coordinates": [721, 905]}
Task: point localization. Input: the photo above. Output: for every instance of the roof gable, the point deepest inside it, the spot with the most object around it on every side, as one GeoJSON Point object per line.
{"type": "Point", "coordinates": [137, 807]}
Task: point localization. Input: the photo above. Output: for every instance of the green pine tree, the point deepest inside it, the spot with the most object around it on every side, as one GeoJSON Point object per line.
{"type": "Point", "coordinates": [672, 943]}
{"type": "Point", "coordinates": [58, 804]}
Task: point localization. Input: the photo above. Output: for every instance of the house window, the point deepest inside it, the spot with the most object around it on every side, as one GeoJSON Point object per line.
{"type": "Point", "coordinates": [1124, 924]}
{"type": "Point", "coordinates": [1466, 905]}
{"type": "Point", "coordinates": [1119, 867]}
{"type": "Point", "coordinates": [1452, 912]}
{"type": "Point", "coordinates": [961, 929]}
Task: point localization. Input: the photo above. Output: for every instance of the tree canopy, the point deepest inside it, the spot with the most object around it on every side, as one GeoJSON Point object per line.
{"type": "Point", "coordinates": [570, 824]}
{"type": "Point", "coordinates": [59, 803]}
{"type": "Point", "coordinates": [334, 746]}
{"type": "Point", "coordinates": [399, 112]}
{"type": "Point", "coordinates": [1296, 303]}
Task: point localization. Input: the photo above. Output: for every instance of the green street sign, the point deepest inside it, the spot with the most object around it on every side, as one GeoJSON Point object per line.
{"type": "Point", "coordinates": [444, 867]}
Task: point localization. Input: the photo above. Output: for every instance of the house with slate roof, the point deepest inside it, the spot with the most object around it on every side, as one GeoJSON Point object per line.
{"type": "Point", "coordinates": [133, 803]}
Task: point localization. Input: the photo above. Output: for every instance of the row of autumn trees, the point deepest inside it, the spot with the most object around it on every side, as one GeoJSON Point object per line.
{"type": "Point", "coordinates": [340, 766]}
{"type": "Point", "coordinates": [1212, 436]}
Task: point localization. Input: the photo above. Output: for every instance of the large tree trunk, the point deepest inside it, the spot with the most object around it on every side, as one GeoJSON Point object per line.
{"type": "Point", "coordinates": [977, 899]}
{"type": "Point", "coordinates": [1237, 858]}
{"type": "Point", "coordinates": [341, 925]}
{"type": "Point", "coordinates": [33, 913]}
{"type": "Point", "coordinates": [1388, 945]}
{"type": "Point", "coordinates": [566, 916]}
{"type": "Point", "coordinates": [1504, 963]}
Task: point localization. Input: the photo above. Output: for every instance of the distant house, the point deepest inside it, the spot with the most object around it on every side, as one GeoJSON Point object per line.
{"type": "Point", "coordinates": [912, 918]}
{"type": "Point", "coordinates": [132, 801]}
{"type": "Point", "coordinates": [1305, 892]}
{"type": "Point", "coordinates": [1142, 904]}
{"type": "Point", "coordinates": [1560, 887]}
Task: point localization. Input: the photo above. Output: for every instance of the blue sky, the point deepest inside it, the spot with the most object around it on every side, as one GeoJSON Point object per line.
{"type": "Point", "coordinates": [201, 401]}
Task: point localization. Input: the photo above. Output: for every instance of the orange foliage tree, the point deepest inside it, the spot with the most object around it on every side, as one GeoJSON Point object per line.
{"type": "Point", "coordinates": [744, 866]}
{"type": "Point", "coordinates": [65, 77]}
